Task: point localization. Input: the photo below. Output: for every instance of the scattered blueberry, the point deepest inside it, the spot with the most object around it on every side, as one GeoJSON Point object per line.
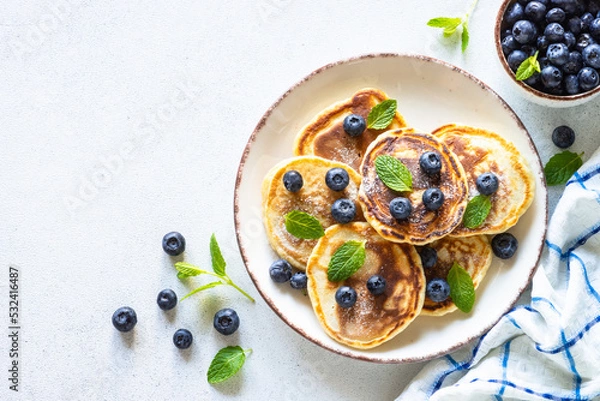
{"type": "Point", "coordinates": [400, 208]}
{"type": "Point", "coordinates": [433, 198]}
{"type": "Point", "coordinates": [292, 181]}
{"type": "Point", "coordinates": [524, 31]}
{"type": "Point", "coordinates": [430, 163]}
{"type": "Point", "coordinates": [298, 281]}
{"type": "Point", "coordinates": [376, 284]}
{"type": "Point", "coordinates": [504, 245]}
{"type": "Point", "coordinates": [591, 55]}
{"type": "Point", "coordinates": [337, 179]}
{"type": "Point", "coordinates": [226, 321]}
{"type": "Point", "coordinates": [345, 296]}
{"type": "Point", "coordinates": [182, 338]}
{"type": "Point", "coordinates": [354, 125]}
{"type": "Point", "coordinates": [588, 78]}
{"type": "Point", "coordinates": [556, 15]}
{"type": "Point", "coordinates": [557, 54]}
{"type": "Point", "coordinates": [343, 210]}
{"type": "Point", "coordinates": [535, 11]}
{"type": "Point", "coordinates": [554, 32]}
{"type": "Point", "coordinates": [280, 271]}
{"type": "Point", "coordinates": [438, 290]}
{"type": "Point", "coordinates": [428, 257]}
{"type": "Point", "coordinates": [563, 136]}
{"type": "Point", "coordinates": [173, 243]}
{"type": "Point", "coordinates": [166, 299]}
{"type": "Point", "coordinates": [487, 183]}
{"type": "Point", "coordinates": [124, 319]}
{"type": "Point", "coordinates": [515, 58]}
{"type": "Point", "coordinates": [551, 76]}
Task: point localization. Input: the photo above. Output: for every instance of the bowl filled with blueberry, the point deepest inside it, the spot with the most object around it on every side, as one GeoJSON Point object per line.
{"type": "Point", "coordinates": [551, 48]}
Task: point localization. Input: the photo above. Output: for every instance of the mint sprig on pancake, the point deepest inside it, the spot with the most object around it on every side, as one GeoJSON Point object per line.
{"type": "Point", "coordinates": [394, 174]}
{"type": "Point", "coordinates": [382, 115]}
{"type": "Point", "coordinates": [477, 211]}
{"type": "Point", "coordinates": [346, 260]}
{"type": "Point", "coordinates": [462, 290]}
{"type": "Point", "coordinates": [303, 225]}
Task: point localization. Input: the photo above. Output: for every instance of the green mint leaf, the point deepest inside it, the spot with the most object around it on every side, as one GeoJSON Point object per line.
{"type": "Point", "coordinates": [445, 23]}
{"type": "Point", "coordinates": [346, 260]}
{"type": "Point", "coordinates": [302, 225]}
{"type": "Point", "coordinates": [216, 257]}
{"type": "Point", "coordinates": [561, 167]}
{"type": "Point", "coordinates": [381, 116]}
{"type": "Point", "coordinates": [477, 211]}
{"type": "Point", "coordinates": [187, 270]}
{"type": "Point", "coordinates": [528, 67]}
{"type": "Point", "coordinates": [465, 36]}
{"type": "Point", "coordinates": [394, 174]}
{"type": "Point", "coordinates": [226, 363]}
{"type": "Point", "coordinates": [462, 290]}
{"type": "Point", "coordinates": [202, 288]}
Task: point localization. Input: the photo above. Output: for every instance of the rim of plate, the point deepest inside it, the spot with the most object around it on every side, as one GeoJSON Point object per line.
{"type": "Point", "coordinates": [349, 352]}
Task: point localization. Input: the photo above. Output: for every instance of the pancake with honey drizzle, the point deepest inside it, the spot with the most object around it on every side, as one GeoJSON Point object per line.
{"type": "Point", "coordinates": [481, 151]}
{"type": "Point", "coordinates": [314, 198]}
{"type": "Point", "coordinates": [325, 135]}
{"type": "Point", "coordinates": [422, 226]}
{"type": "Point", "coordinates": [474, 254]}
{"type": "Point", "coordinates": [374, 319]}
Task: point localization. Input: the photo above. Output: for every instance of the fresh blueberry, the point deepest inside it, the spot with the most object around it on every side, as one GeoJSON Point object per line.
{"type": "Point", "coordinates": [433, 198]}
{"type": "Point", "coordinates": [343, 210]}
{"type": "Point", "coordinates": [529, 49]}
{"type": "Point", "coordinates": [588, 78]}
{"type": "Point", "coordinates": [586, 21]}
{"type": "Point", "coordinates": [563, 136]}
{"type": "Point", "coordinates": [124, 319]}
{"type": "Point", "coordinates": [533, 80]}
{"type": "Point", "coordinates": [554, 32]}
{"type": "Point", "coordinates": [292, 181]}
{"type": "Point", "coordinates": [337, 179]}
{"type": "Point", "coordinates": [166, 299]}
{"type": "Point", "coordinates": [558, 54]}
{"type": "Point", "coordinates": [430, 162]}
{"type": "Point", "coordinates": [438, 290]}
{"type": "Point", "coordinates": [505, 33]}
{"type": "Point", "coordinates": [543, 62]}
{"type": "Point", "coordinates": [298, 281]}
{"type": "Point", "coordinates": [504, 245]}
{"type": "Point", "coordinates": [555, 15]}
{"type": "Point", "coordinates": [570, 40]}
{"type": "Point", "coordinates": [226, 321]}
{"type": "Point", "coordinates": [376, 284]}
{"type": "Point", "coordinates": [570, 6]}
{"type": "Point", "coordinates": [280, 271]}
{"type": "Point", "coordinates": [524, 31]}
{"type": "Point", "coordinates": [551, 77]}
{"type": "Point", "coordinates": [594, 29]}
{"type": "Point", "coordinates": [591, 55]}
{"type": "Point", "coordinates": [571, 84]}
{"type": "Point", "coordinates": [173, 243]}
{"type": "Point", "coordinates": [509, 44]}
{"type": "Point", "coordinates": [583, 41]}
{"type": "Point", "coordinates": [594, 6]}
{"type": "Point", "coordinates": [575, 25]}
{"type": "Point", "coordinates": [487, 183]}
{"type": "Point", "coordinates": [428, 257]}
{"type": "Point", "coordinates": [542, 43]}
{"type": "Point", "coordinates": [515, 58]}
{"type": "Point", "coordinates": [535, 11]}
{"type": "Point", "coordinates": [574, 64]}
{"type": "Point", "coordinates": [182, 338]}
{"type": "Point", "coordinates": [400, 208]}
{"type": "Point", "coordinates": [354, 125]}
{"type": "Point", "coordinates": [514, 13]}
{"type": "Point", "coordinates": [345, 296]}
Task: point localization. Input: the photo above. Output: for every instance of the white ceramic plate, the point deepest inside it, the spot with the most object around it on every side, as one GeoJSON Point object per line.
{"type": "Point", "coordinates": [430, 93]}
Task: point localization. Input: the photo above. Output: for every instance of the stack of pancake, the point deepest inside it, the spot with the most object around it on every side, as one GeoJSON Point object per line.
{"type": "Point", "coordinates": [392, 245]}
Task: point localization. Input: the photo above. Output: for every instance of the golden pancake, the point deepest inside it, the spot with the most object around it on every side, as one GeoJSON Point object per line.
{"type": "Point", "coordinates": [314, 198]}
{"type": "Point", "coordinates": [481, 151]}
{"type": "Point", "coordinates": [474, 254]}
{"type": "Point", "coordinates": [373, 319]}
{"type": "Point", "coordinates": [325, 135]}
{"type": "Point", "coordinates": [423, 225]}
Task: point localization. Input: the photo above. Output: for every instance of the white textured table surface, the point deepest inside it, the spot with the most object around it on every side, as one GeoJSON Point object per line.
{"type": "Point", "coordinates": [124, 120]}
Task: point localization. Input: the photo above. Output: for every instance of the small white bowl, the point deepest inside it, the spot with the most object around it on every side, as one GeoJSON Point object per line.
{"type": "Point", "coordinates": [530, 93]}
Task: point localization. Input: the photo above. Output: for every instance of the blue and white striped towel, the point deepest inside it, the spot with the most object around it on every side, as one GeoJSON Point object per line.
{"type": "Point", "coordinates": [548, 349]}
